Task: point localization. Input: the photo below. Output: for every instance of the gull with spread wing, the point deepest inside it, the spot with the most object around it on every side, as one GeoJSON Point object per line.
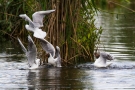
{"type": "Point", "coordinates": [31, 53]}
{"type": "Point", "coordinates": [54, 54]}
{"type": "Point", "coordinates": [101, 59]}
{"type": "Point", "coordinates": [37, 22]}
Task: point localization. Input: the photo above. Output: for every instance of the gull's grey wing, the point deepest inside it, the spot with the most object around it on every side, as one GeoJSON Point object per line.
{"type": "Point", "coordinates": [22, 46]}
{"type": "Point", "coordinates": [47, 46]}
{"type": "Point", "coordinates": [24, 16]}
{"type": "Point", "coordinates": [57, 55]}
{"type": "Point", "coordinates": [32, 51]}
{"type": "Point", "coordinates": [107, 56]}
{"type": "Point", "coordinates": [38, 17]}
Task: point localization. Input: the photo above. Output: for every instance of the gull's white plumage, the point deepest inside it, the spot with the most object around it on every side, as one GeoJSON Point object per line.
{"type": "Point", "coordinates": [101, 61]}
{"type": "Point", "coordinates": [52, 60]}
{"type": "Point", "coordinates": [37, 22]}
{"type": "Point", "coordinates": [31, 53]}
{"type": "Point", "coordinates": [54, 54]}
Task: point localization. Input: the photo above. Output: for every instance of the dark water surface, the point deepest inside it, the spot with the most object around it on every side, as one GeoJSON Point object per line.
{"type": "Point", "coordinates": [118, 38]}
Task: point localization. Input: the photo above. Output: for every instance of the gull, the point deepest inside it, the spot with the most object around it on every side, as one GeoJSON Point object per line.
{"type": "Point", "coordinates": [101, 59]}
{"type": "Point", "coordinates": [37, 22]}
{"type": "Point", "coordinates": [54, 54]}
{"type": "Point", "coordinates": [31, 53]}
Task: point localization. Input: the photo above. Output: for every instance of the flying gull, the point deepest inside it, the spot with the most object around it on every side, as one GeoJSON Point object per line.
{"type": "Point", "coordinates": [101, 59]}
{"type": "Point", "coordinates": [54, 54]}
{"type": "Point", "coordinates": [37, 22]}
{"type": "Point", "coordinates": [31, 53]}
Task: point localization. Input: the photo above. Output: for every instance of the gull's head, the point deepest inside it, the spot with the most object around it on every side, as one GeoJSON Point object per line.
{"type": "Point", "coordinates": [57, 47]}
{"type": "Point", "coordinates": [97, 54]}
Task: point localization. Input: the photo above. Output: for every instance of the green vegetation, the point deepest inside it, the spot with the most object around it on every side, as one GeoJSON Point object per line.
{"type": "Point", "coordinates": [71, 27]}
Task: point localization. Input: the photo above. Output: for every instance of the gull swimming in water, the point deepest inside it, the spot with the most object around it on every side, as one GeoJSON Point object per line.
{"type": "Point", "coordinates": [37, 22]}
{"type": "Point", "coordinates": [31, 53]}
{"type": "Point", "coordinates": [101, 59]}
{"type": "Point", "coordinates": [54, 54]}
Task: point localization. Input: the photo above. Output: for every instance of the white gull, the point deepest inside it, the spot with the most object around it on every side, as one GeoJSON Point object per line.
{"type": "Point", "coordinates": [54, 54]}
{"type": "Point", "coordinates": [31, 53]}
{"type": "Point", "coordinates": [37, 22]}
{"type": "Point", "coordinates": [101, 59]}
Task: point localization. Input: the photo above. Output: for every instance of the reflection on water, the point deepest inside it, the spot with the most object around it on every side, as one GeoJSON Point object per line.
{"type": "Point", "coordinates": [113, 79]}
{"type": "Point", "coordinates": [66, 78]}
{"type": "Point", "coordinates": [118, 38]}
{"type": "Point", "coordinates": [58, 78]}
{"type": "Point", "coordinates": [12, 79]}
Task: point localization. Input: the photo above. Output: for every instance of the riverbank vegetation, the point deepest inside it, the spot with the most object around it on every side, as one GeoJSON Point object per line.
{"type": "Point", "coordinates": [71, 26]}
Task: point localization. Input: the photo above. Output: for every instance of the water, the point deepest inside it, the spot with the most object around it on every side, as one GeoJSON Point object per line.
{"type": "Point", "coordinates": [118, 38]}
{"type": "Point", "coordinates": [118, 35]}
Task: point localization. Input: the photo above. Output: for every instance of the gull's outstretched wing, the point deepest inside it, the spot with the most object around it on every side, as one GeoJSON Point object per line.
{"type": "Point", "coordinates": [24, 16]}
{"type": "Point", "coordinates": [38, 17]}
{"type": "Point", "coordinates": [57, 55]}
{"type": "Point", "coordinates": [32, 51]}
{"type": "Point", "coordinates": [23, 48]}
{"type": "Point", "coordinates": [47, 46]}
{"type": "Point", "coordinates": [107, 56]}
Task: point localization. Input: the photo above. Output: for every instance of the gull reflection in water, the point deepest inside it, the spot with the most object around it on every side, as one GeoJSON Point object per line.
{"type": "Point", "coordinates": [43, 78]}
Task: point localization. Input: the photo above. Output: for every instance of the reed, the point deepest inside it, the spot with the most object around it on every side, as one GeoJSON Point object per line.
{"type": "Point", "coordinates": [71, 26]}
